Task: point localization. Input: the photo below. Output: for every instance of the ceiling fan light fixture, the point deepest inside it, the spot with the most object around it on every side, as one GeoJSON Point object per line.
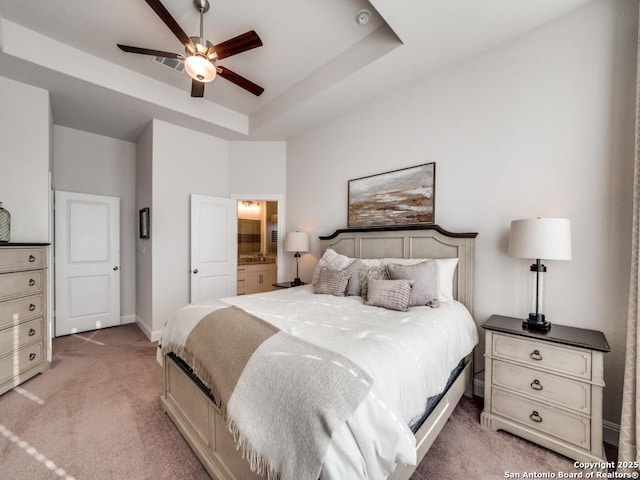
{"type": "Point", "coordinates": [199, 68]}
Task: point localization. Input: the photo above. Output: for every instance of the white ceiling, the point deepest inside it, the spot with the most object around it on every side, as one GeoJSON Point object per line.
{"type": "Point", "coordinates": [316, 61]}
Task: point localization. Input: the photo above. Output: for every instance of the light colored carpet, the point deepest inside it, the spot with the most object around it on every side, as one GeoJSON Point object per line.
{"type": "Point", "coordinates": [95, 415]}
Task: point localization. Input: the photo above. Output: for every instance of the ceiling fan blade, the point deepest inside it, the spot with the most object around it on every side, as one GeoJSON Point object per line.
{"type": "Point", "coordinates": [239, 44]}
{"type": "Point", "coordinates": [240, 81]}
{"type": "Point", "coordinates": [170, 22]}
{"type": "Point", "coordinates": [197, 88]}
{"type": "Point", "coordinates": [148, 51]}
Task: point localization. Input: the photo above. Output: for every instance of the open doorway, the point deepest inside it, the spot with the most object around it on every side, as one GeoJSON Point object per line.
{"type": "Point", "coordinates": [259, 242]}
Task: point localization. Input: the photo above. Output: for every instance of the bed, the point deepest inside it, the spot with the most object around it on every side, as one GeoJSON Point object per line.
{"type": "Point", "coordinates": [356, 448]}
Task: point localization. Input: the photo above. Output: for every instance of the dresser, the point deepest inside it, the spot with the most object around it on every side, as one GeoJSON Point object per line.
{"type": "Point", "coordinates": [546, 387]}
{"type": "Point", "coordinates": [23, 313]}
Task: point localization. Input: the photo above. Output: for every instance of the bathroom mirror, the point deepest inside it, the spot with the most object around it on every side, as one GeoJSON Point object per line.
{"type": "Point", "coordinates": [249, 236]}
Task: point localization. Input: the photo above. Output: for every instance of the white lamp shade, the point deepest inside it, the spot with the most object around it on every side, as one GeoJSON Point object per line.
{"type": "Point", "coordinates": [296, 242]}
{"type": "Point", "coordinates": [541, 238]}
{"type": "Point", "coordinates": [199, 68]}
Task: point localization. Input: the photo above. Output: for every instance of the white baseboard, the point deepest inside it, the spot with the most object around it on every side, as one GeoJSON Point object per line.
{"type": "Point", "coordinates": [124, 319]}
{"type": "Point", "coordinates": [610, 430]}
{"type": "Point", "coordinates": [152, 335]}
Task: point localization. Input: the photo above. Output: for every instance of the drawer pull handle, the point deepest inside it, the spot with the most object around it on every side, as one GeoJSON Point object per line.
{"type": "Point", "coordinates": [535, 416]}
{"type": "Point", "coordinates": [536, 385]}
{"type": "Point", "coordinates": [32, 282]}
{"type": "Point", "coordinates": [535, 355]}
{"type": "Point", "coordinates": [32, 356]}
{"type": "Point", "coordinates": [32, 307]}
{"type": "Point", "coordinates": [32, 259]}
{"type": "Point", "coordinates": [32, 332]}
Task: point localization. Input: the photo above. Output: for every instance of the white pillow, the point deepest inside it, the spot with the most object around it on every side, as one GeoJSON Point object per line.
{"type": "Point", "coordinates": [331, 259]}
{"type": "Point", "coordinates": [446, 269]}
{"type": "Point", "coordinates": [372, 262]}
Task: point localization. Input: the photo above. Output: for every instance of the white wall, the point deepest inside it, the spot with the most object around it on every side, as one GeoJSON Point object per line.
{"type": "Point", "coordinates": [257, 167]}
{"type": "Point", "coordinates": [172, 163]}
{"type": "Point", "coordinates": [184, 162]}
{"type": "Point", "coordinates": [89, 163]}
{"type": "Point", "coordinates": [25, 139]}
{"type": "Point", "coordinates": [542, 126]}
{"type": "Point", "coordinates": [144, 246]}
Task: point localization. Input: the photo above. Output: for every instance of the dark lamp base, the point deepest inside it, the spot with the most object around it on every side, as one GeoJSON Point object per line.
{"type": "Point", "coordinates": [296, 282]}
{"type": "Point", "coordinates": [536, 322]}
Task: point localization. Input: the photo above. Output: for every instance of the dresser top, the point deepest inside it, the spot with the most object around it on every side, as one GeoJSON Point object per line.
{"type": "Point", "coordinates": [23, 244]}
{"type": "Point", "coordinates": [576, 337]}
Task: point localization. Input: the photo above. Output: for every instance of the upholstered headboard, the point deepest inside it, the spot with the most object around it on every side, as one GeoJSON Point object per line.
{"type": "Point", "coordinates": [411, 241]}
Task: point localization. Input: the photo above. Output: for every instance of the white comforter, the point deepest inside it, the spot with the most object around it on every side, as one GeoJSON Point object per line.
{"type": "Point", "coordinates": [408, 354]}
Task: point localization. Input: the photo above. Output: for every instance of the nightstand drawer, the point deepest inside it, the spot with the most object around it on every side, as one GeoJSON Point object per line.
{"type": "Point", "coordinates": [20, 284]}
{"type": "Point", "coordinates": [555, 358]}
{"type": "Point", "coordinates": [568, 427]}
{"type": "Point", "coordinates": [543, 386]}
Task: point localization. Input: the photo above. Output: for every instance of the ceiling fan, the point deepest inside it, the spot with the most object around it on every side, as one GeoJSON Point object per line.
{"type": "Point", "coordinates": [200, 55]}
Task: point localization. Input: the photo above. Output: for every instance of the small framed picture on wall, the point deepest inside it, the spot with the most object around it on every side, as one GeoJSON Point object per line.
{"type": "Point", "coordinates": [144, 223]}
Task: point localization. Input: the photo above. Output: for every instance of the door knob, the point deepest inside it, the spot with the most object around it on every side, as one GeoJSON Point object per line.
{"type": "Point", "coordinates": [115, 269]}
{"type": "Point", "coordinates": [195, 270]}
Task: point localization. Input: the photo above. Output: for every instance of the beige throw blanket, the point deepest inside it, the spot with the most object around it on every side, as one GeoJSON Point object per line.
{"type": "Point", "coordinates": [282, 396]}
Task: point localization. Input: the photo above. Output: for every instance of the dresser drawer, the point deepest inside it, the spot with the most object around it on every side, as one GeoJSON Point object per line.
{"type": "Point", "coordinates": [20, 284]}
{"type": "Point", "coordinates": [19, 361]}
{"type": "Point", "coordinates": [12, 259]}
{"type": "Point", "coordinates": [571, 428]}
{"type": "Point", "coordinates": [546, 355]}
{"type": "Point", "coordinates": [16, 337]}
{"type": "Point", "coordinates": [543, 386]}
{"type": "Point", "coordinates": [14, 311]}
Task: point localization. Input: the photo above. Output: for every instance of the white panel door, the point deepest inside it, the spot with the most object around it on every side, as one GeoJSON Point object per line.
{"type": "Point", "coordinates": [214, 247]}
{"type": "Point", "coordinates": [87, 262]}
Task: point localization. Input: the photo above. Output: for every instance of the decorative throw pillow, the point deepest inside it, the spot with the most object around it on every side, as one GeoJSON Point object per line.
{"type": "Point", "coordinates": [389, 294]}
{"type": "Point", "coordinates": [333, 282]}
{"type": "Point", "coordinates": [331, 259]}
{"type": "Point", "coordinates": [425, 280]}
{"type": "Point", "coordinates": [353, 287]}
{"type": "Point", "coordinates": [371, 273]}
{"type": "Point", "coordinates": [446, 272]}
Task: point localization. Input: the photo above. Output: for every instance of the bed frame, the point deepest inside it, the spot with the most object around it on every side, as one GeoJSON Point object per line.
{"type": "Point", "coordinates": [196, 415]}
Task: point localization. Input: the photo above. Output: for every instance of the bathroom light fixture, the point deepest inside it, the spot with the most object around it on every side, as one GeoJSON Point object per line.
{"type": "Point", "coordinates": [296, 242]}
{"type": "Point", "coordinates": [540, 238]}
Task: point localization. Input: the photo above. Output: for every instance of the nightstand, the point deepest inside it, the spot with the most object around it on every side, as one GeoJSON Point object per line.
{"type": "Point", "coordinates": [285, 285]}
{"type": "Point", "coordinates": [546, 387]}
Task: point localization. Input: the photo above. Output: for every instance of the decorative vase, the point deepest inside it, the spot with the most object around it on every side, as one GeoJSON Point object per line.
{"type": "Point", "coordinates": [5, 225]}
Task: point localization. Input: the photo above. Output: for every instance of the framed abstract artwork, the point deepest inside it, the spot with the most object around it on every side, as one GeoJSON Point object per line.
{"type": "Point", "coordinates": [399, 197]}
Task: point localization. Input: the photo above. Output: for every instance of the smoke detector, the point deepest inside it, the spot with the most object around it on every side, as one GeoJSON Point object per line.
{"type": "Point", "coordinates": [363, 16]}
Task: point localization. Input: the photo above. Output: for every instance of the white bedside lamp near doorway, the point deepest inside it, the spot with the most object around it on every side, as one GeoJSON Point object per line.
{"type": "Point", "coordinates": [296, 242]}
{"type": "Point", "coordinates": [540, 239]}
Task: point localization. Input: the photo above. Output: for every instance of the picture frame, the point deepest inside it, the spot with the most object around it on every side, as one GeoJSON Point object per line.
{"type": "Point", "coordinates": [400, 197]}
{"type": "Point", "coordinates": [144, 223]}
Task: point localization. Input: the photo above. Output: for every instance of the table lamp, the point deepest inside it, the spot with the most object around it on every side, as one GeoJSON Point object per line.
{"type": "Point", "coordinates": [540, 238]}
{"type": "Point", "coordinates": [296, 242]}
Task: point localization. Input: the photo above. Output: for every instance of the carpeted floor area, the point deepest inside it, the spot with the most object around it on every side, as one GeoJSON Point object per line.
{"type": "Point", "coordinates": [95, 415]}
